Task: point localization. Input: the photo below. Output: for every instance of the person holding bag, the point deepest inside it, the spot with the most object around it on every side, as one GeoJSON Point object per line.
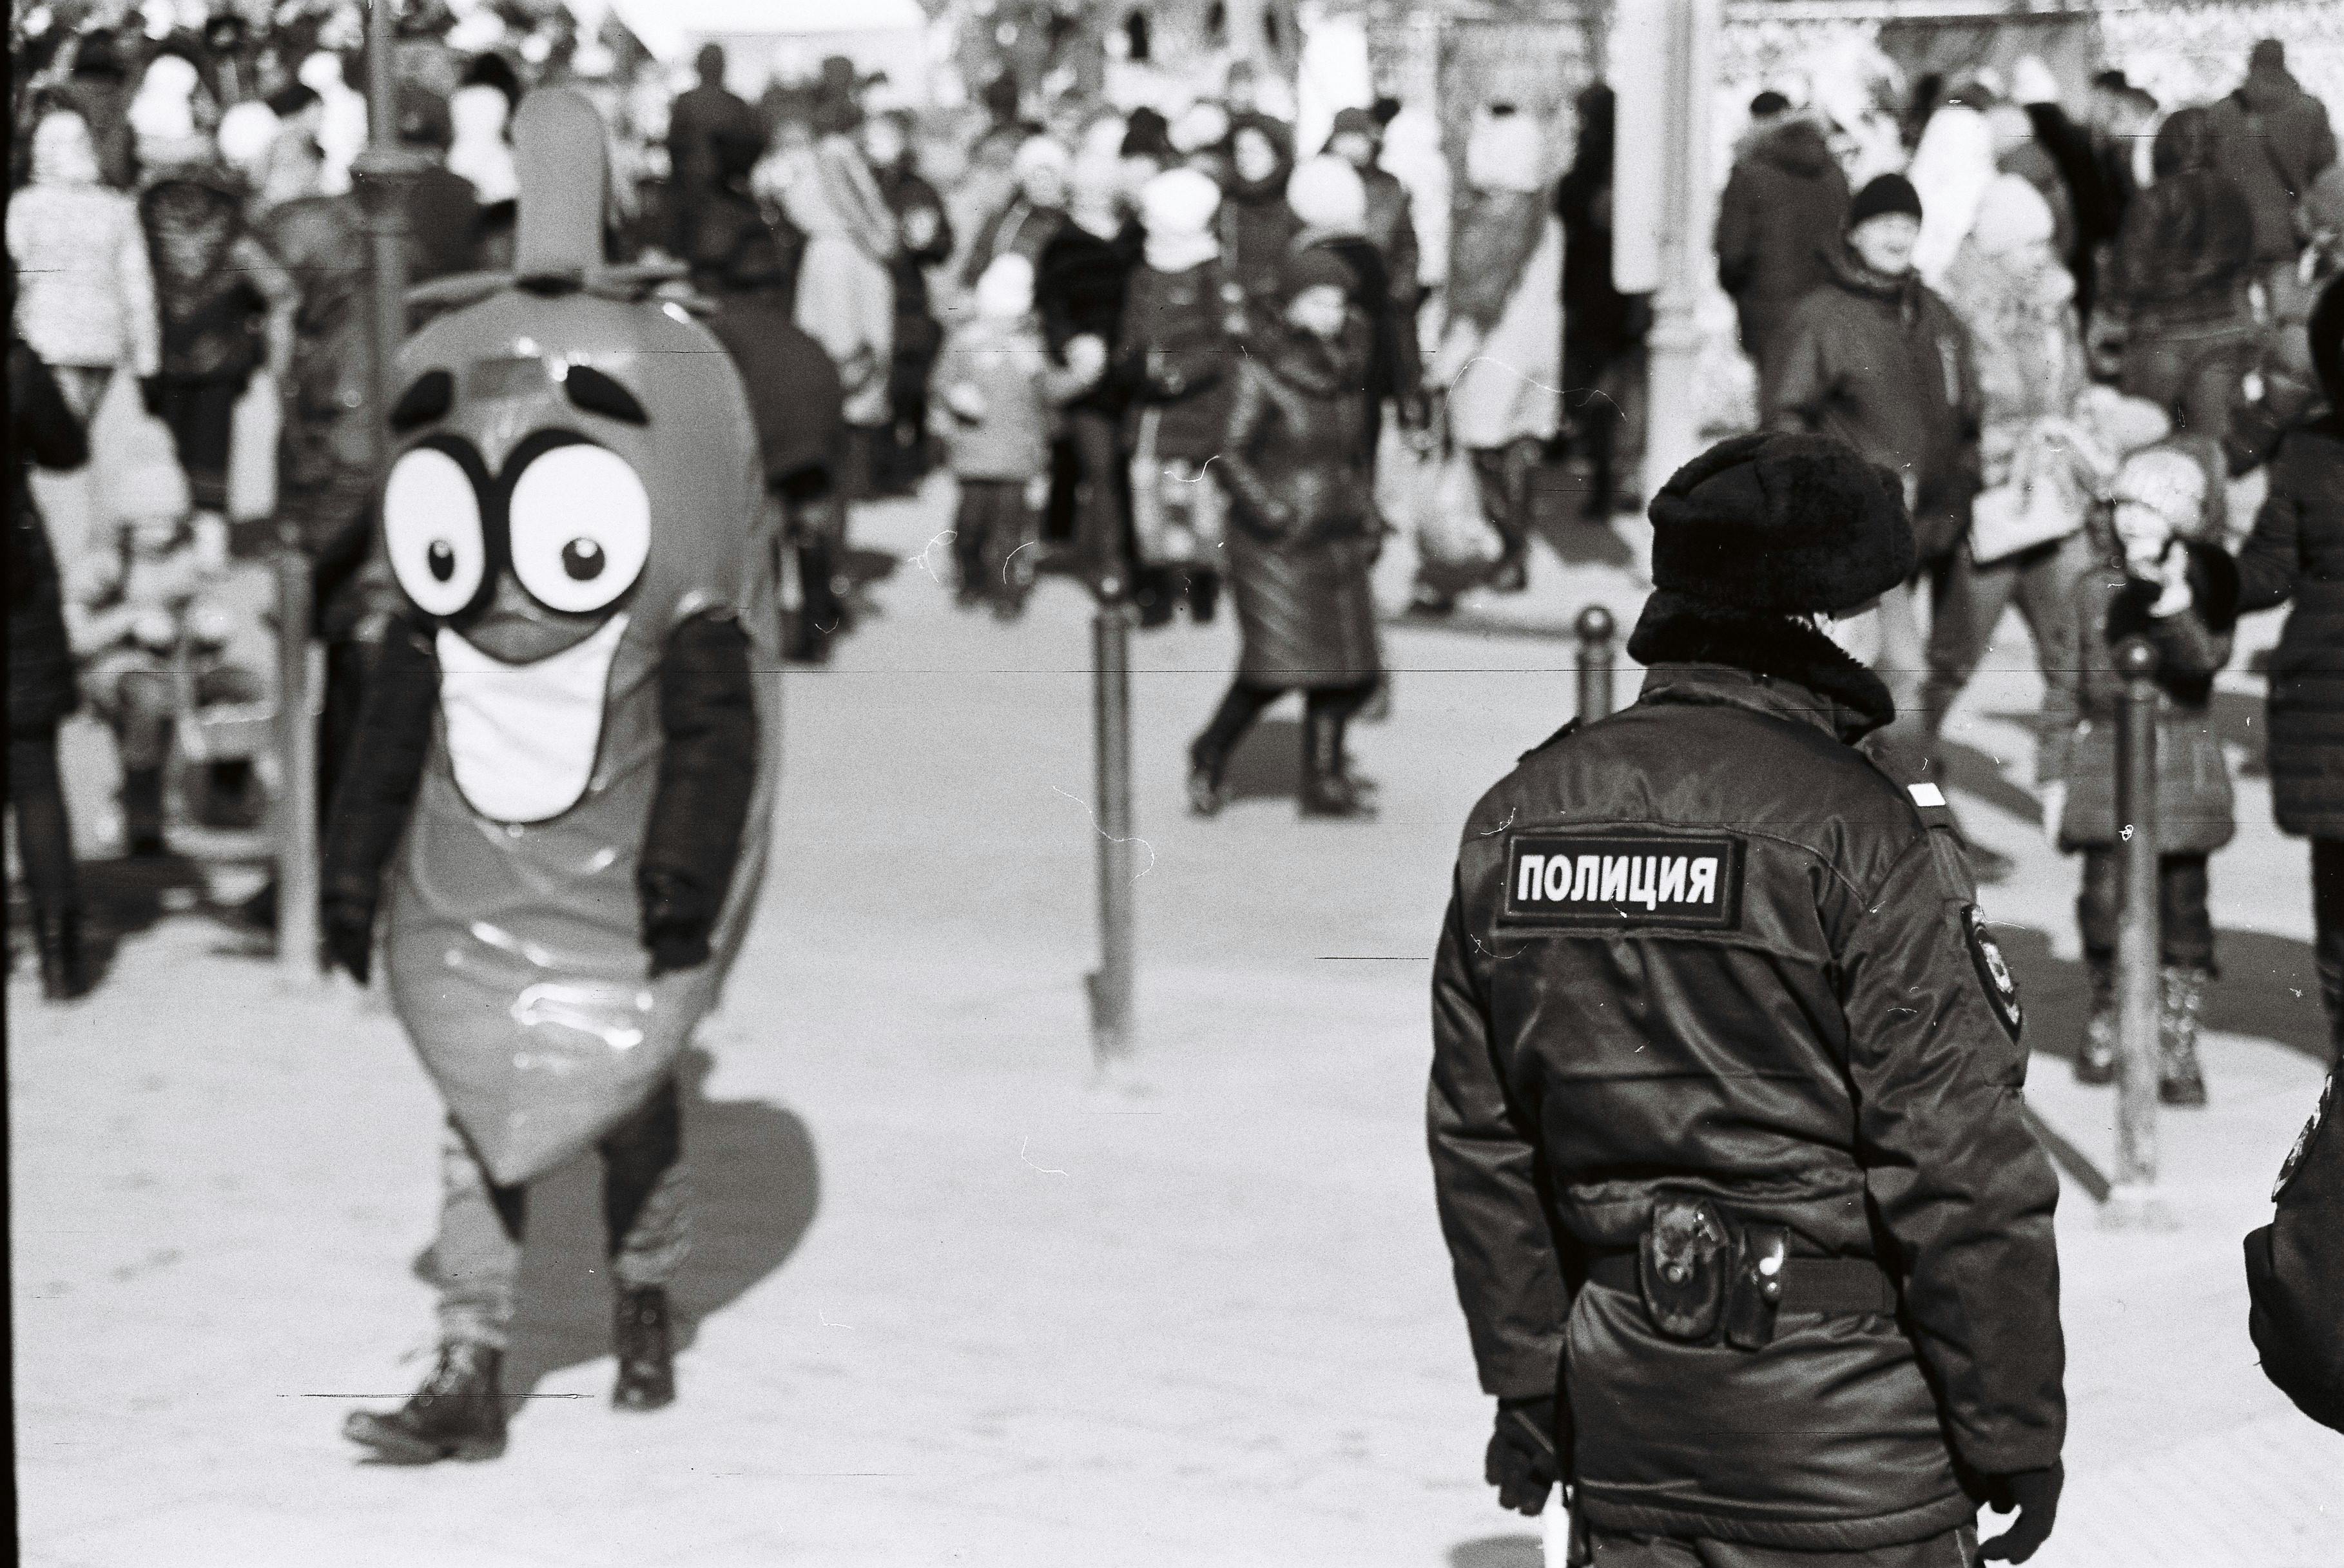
{"type": "Point", "coordinates": [2159, 576]}
{"type": "Point", "coordinates": [2012, 289]}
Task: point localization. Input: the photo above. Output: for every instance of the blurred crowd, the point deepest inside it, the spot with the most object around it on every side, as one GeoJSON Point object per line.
{"type": "Point", "coordinates": [1187, 360]}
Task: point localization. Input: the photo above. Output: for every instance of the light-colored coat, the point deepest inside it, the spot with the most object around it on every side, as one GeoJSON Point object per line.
{"type": "Point", "coordinates": [84, 291]}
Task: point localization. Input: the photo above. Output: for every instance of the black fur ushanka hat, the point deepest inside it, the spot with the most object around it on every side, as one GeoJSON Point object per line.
{"type": "Point", "coordinates": [1786, 524]}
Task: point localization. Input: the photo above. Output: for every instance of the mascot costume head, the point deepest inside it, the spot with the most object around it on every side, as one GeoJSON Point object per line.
{"type": "Point", "coordinates": [572, 514]}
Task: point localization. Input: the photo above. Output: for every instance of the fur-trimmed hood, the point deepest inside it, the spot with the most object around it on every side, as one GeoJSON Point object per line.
{"type": "Point", "coordinates": [1676, 629]}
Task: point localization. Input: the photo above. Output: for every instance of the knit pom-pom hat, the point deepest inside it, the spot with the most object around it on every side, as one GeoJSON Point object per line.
{"type": "Point", "coordinates": [1786, 524]}
{"type": "Point", "coordinates": [1327, 195]}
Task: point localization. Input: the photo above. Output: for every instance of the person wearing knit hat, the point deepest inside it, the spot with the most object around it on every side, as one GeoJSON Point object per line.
{"type": "Point", "coordinates": [1080, 281]}
{"type": "Point", "coordinates": [1665, 928]}
{"type": "Point", "coordinates": [1034, 213]}
{"type": "Point", "coordinates": [1301, 538]}
{"type": "Point", "coordinates": [2159, 575]}
{"type": "Point", "coordinates": [2013, 291]}
{"type": "Point", "coordinates": [994, 386]}
{"type": "Point", "coordinates": [1500, 357]}
{"type": "Point", "coordinates": [1878, 359]}
{"type": "Point", "coordinates": [1331, 200]}
{"type": "Point", "coordinates": [1177, 353]}
{"type": "Point", "coordinates": [1357, 138]}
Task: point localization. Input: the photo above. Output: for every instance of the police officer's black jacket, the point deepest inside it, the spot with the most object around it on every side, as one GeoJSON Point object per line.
{"type": "Point", "coordinates": [1705, 946]}
{"type": "Point", "coordinates": [2295, 1270]}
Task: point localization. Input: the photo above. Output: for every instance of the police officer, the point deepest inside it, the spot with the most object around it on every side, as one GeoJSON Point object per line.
{"type": "Point", "coordinates": [2295, 1270]}
{"type": "Point", "coordinates": [1753, 1245]}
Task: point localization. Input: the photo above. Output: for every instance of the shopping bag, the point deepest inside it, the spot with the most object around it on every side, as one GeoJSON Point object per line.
{"type": "Point", "coordinates": [1179, 513]}
{"type": "Point", "coordinates": [2041, 501]}
{"type": "Point", "coordinates": [1450, 532]}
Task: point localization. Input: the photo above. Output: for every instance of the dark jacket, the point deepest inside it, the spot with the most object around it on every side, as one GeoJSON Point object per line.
{"type": "Point", "coordinates": [1599, 322]}
{"type": "Point", "coordinates": [1778, 226]}
{"type": "Point", "coordinates": [214, 282]}
{"type": "Point", "coordinates": [1177, 356]}
{"type": "Point", "coordinates": [2272, 140]}
{"type": "Point", "coordinates": [2196, 811]}
{"type": "Point", "coordinates": [1886, 366]}
{"type": "Point", "coordinates": [2187, 250]}
{"type": "Point", "coordinates": [325, 448]}
{"type": "Point", "coordinates": [445, 222]}
{"type": "Point", "coordinates": [919, 337]}
{"type": "Point", "coordinates": [1257, 226]}
{"type": "Point", "coordinates": [41, 430]}
{"type": "Point", "coordinates": [700, 120]}
{"type": "Point", "coordinates": [2296, 552]}
{"type": "Point", "coordinates": [1391, 228]}
{"type": "Point", "coordinates": [794, 397]}
{"type": "Point", "coordinates": [1294, 459]}
{"type": "Point", "coordinates": [1080, 288]}
{"type": "Point", "coordinates": [1810, 1037]}
{"type": "Point", "coordinates": [2295, 1270]}
{"type": "Point", "coordinates": [1395, 368]}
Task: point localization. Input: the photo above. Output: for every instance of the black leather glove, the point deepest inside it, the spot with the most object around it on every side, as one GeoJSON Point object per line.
{"type": "Point", "coordinates": [349, 935]}
{"type": "Point", "coordinates": [1526, 1456]}
{"type": "Point", "coordinates": [674, 933]}
{"type": "Point", "coordinates": [2035, 1494]}
{"type": "Point", "coordinates": [150, 394]}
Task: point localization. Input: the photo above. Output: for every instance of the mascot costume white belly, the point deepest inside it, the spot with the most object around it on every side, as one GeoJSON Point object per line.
{"type": "Point", "coordinates": [560, 789]}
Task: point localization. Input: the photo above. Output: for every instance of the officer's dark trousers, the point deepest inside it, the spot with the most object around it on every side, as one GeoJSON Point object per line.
{"type": "Point", "coordinates": [2327, 933]}
{"type": "Point", "coordinates": [1593, 1548]}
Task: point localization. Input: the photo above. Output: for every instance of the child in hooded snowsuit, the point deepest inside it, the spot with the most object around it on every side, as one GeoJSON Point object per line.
{"type": "Point", "coordinates": [2160, 577]}
{"type": "Point", "coordinates": [994, 390]}
{"type": "Point", "coordinates": [152, 634]}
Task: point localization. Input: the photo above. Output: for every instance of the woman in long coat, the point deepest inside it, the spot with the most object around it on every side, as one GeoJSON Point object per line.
{"type": "Point", "coordinates": [2297, 552]}
{"type": "Point", "coordinates": [1302, 539]}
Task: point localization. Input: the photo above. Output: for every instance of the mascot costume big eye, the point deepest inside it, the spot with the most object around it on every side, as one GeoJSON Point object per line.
{"type": "Point", "coordinates": [559, 788]}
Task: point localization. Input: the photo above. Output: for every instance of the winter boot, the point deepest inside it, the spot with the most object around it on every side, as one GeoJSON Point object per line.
{"type": "Point", "coordinates": [2183, 995]}
{"type": "Point", "coordinates": [1327, 791]}
{"type": "Point", "coordinates": [819, 613]}
{"type": "Point", "coordinates": [2097, 1062]}
{"type": "Point", "coordinates": [1206, 793]}
{"type": "Point", "coordinates": [646, 1355]}
{"type": "Point", "coordinates": [65, 971]}
{"type": "Point", "coordinates": [142, 812]}
{"type": "Point", "coordinates": [458, 1413]}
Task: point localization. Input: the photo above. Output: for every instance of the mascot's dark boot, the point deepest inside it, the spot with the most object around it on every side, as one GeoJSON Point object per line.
{"type": "Point", "coordinates": [458, 1413]}
{"type": "Point", "coordinates": [64, 968]}
{"type": "Point", "coordinates": [639, 1332]}
{"type": "Point", "coordinates": [2178, 1080]}
{"type": "Point", "coordinates": [2096, 1062]}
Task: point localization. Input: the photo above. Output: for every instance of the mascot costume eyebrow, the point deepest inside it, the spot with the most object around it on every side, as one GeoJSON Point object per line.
{"type": "Point", "coordinates": [559, 788]}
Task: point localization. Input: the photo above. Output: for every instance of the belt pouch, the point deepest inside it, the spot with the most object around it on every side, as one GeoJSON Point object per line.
{"type": "Point", "coordinates": [1681, 1267]}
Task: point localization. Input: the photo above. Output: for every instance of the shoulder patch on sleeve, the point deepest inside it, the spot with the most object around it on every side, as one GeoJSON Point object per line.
{"type": "Point", "coordinates": [1584, 880]}
{"type": "Point", "coordinates": [1994, 972]}
{"type": "Point", "coordinates": [2294, 1162]}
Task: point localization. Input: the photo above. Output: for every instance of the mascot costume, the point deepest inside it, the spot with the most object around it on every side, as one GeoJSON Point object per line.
{"type": "Point", "coordinates": [559, 793]}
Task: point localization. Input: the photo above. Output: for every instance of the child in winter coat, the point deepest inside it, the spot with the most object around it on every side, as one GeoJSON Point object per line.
{"type": "Point", "coordinates": [994, 390]}
{"type": "Point", "coordinates": [2159, 577]}
{"type": "Point", "coordinates": [152, 635]}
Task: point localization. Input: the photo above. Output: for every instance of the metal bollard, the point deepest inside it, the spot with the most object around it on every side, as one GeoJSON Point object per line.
{"type": "Point", "coordinates": [1595, 663]}
{"type": "Point", "coordinates": [2132, 1195]}
{"type": "Point", "coordinates": [1111, 985]}
{"type": "Point", "coordinates": [296, 751]}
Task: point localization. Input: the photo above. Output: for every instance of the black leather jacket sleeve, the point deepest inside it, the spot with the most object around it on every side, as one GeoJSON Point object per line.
{"type": "Point", "coordinates": [384, 771]}
{"type": "Point", "coordinates": [1959, 1184]}
{"type": "Point", "coordinates": [1487, 1180]}
{"type": "Point", "coordinates": [707, 770]}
